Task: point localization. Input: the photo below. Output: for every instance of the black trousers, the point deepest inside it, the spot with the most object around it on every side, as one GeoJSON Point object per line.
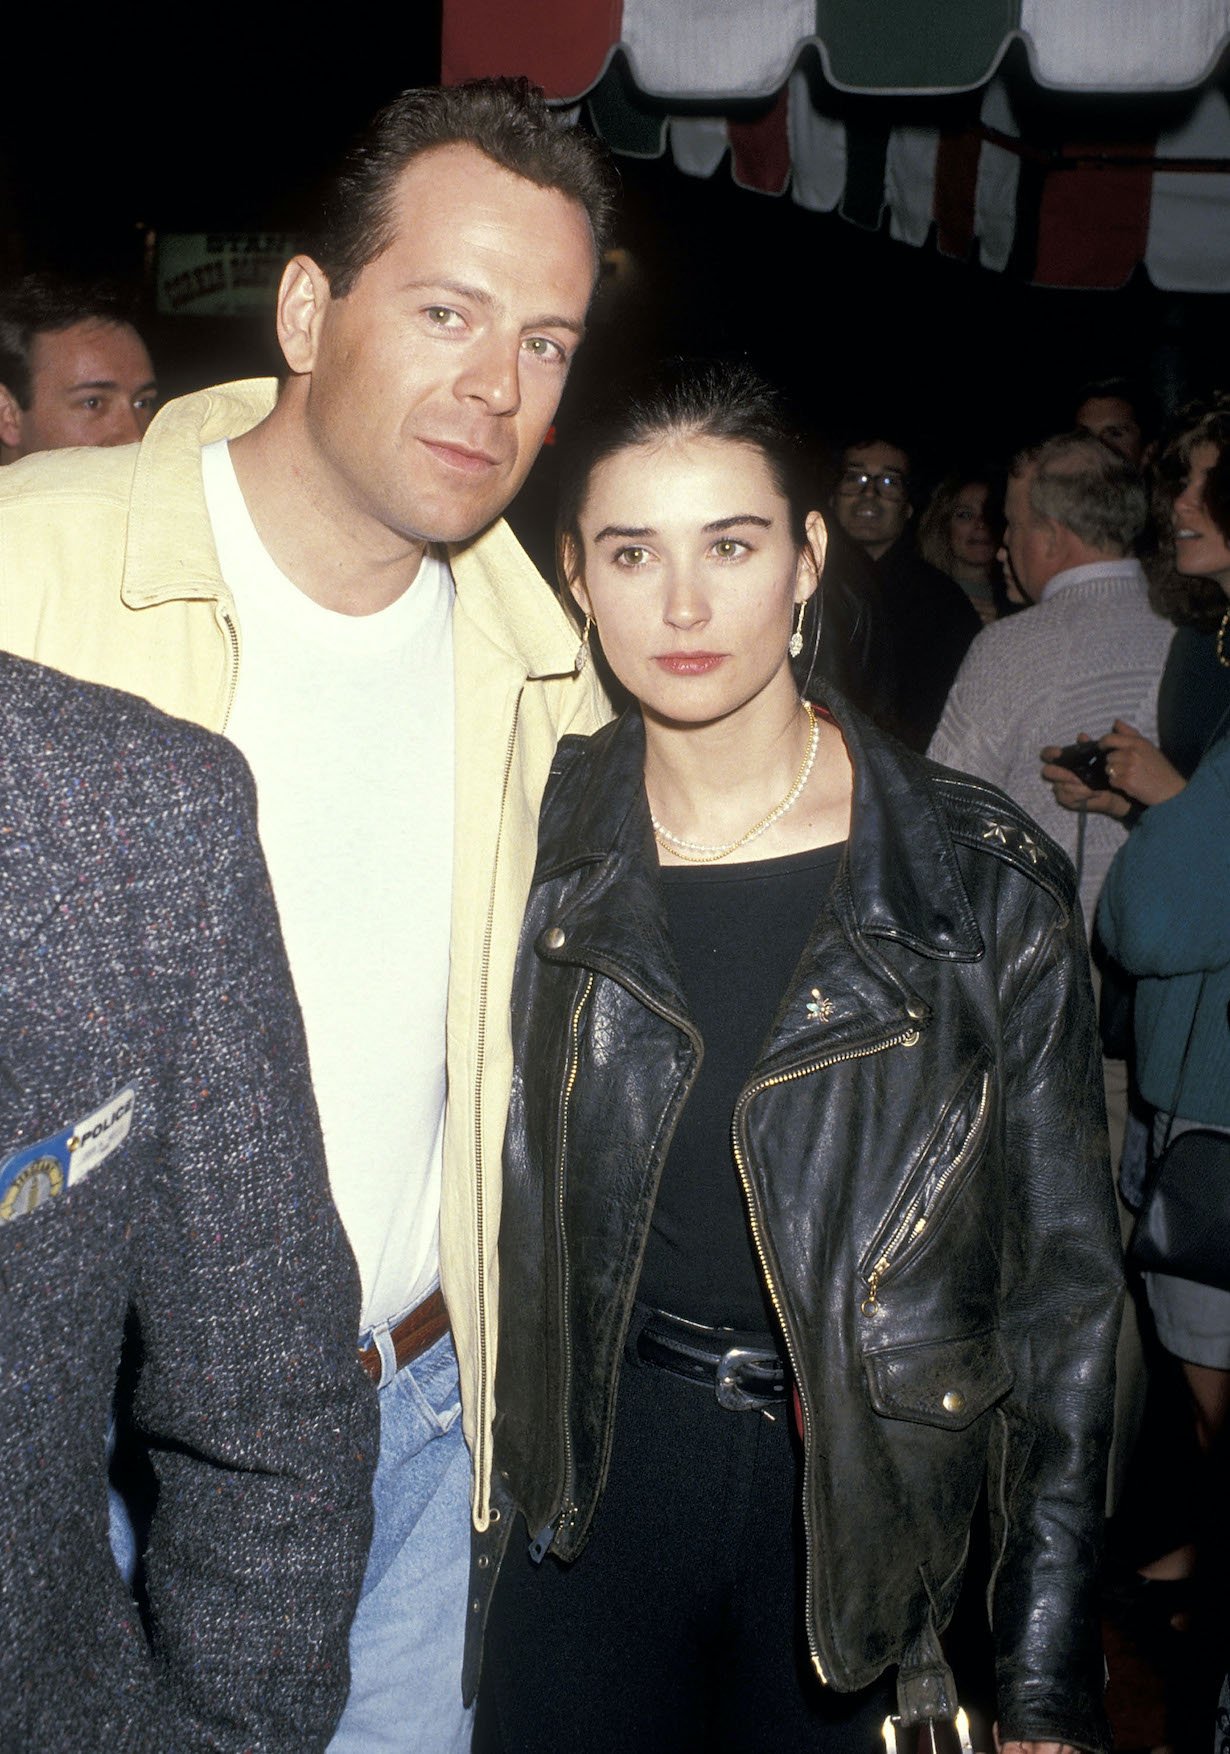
{"type": "Point", "coordinates": [679, 1627]}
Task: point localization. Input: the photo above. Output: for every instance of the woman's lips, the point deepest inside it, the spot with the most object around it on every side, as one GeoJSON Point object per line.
{"type": "Point", "coordinates": [689, 663]}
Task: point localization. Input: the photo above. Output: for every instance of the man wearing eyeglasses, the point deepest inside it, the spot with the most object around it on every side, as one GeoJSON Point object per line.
{"type": "Point", "coordinates": [929, 622]}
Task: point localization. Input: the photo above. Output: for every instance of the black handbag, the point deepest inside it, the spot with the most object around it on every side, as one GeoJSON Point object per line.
{"type": "Point", "coordinates": [1183, 1227]}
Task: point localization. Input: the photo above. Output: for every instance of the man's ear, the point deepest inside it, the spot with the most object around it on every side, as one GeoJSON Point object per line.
{"type": "Point", "coordinates": [303, 299]}
{"type": "Point", "coordinates": [10, 419]}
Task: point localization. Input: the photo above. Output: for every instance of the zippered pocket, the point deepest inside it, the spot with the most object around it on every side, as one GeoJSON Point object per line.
{"type": "Point", "coordinates": [929, 1188]}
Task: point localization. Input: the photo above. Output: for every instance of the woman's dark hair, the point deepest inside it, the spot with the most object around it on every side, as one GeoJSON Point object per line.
{"type": "Point", "coordinates": [688, 399]}
{"type": "Point", "coordinates": [1190, 601]}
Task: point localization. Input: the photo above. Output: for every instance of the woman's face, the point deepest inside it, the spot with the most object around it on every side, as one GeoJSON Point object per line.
{"type": "Point", "coordinates": [690, 572]}
{"type": "Point", "coordinates": [1201, 551]}
{"type": "Point", "coordinates": [969, 535]}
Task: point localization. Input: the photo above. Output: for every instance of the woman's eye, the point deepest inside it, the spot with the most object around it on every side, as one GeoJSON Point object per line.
{"type": "Point", "coordinates": [634, 556]}
{"type": "Point", "coordinates": [727, 548]}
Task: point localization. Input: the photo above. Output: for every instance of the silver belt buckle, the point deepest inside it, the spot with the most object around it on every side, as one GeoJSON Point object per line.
{"type": "Point", "coordinates": [730, 1394]}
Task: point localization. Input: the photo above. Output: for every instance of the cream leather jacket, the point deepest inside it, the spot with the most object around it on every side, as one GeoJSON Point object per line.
{"type": "Point", "coordinates": [108, 571]}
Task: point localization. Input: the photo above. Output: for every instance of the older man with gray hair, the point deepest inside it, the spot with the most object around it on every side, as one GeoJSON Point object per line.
{"type": "Point", "coordinates": [1089, 651]}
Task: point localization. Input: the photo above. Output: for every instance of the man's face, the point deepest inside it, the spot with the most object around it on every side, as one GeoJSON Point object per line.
{"type": "Point", "coordinates": [1026, 547]}
{"type": "Point", "coordinates": [874, 512]}
{"type": "Point", "coordinates": [92, 384]}
{"type": "Point", "coordinates": [1114, 421]}
{"type": "Point", "coordinates": [434, 379]}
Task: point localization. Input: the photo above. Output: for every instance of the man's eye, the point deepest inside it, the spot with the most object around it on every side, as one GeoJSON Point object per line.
{"type": "Point", "coordinates": [92, 403]}
{"type": "Point", "coordinates": [542, 347]}
{"type": "Point", "coordinates": [443, 316]}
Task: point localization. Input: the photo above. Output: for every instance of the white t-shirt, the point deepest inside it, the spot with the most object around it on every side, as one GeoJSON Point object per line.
{"type": "Point", "coordinates": [347, 724]}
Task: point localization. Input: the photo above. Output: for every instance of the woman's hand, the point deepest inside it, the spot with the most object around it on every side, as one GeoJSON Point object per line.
{"type": "Point", "coordinates": [1137, 767]}
{"type": "Point", "coordinates": [1073, 793]}
{"type": "Point", "coordinates": [1138, 771]}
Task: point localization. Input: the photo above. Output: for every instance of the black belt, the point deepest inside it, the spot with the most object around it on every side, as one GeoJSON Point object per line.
{"type": "Point", "coordinates": [744, 1370]}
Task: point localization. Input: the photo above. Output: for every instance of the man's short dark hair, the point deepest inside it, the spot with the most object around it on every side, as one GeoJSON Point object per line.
{"type": "Point", "coordinates": [44, 304]}
{"type": "Point", "coordinates": [507, 119]}
{"type": "Point", "coordinates": [1138, 397]}
{"type": "Point", "coordinates": [1077, 481]}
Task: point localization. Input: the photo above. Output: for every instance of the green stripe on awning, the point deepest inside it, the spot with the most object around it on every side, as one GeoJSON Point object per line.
{"type": "Point", "coordinates": [627, 120]}
{"type": "Point", "coordinates": [913, 45]}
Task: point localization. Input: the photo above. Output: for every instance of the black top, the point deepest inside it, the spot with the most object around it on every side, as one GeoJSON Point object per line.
{"type": "Point", "coordinates": [1193, 698]}
{"type": "Point", "coordinates": [738, 932]}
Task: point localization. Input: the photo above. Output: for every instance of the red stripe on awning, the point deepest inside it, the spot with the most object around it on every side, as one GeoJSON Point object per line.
{"type": "Point", "coordinates": [559, 44]}
{"type": "Point", "coordinates": [760, 150]}
{"type": "Point", "coordinates": [1093, 222]}
{"type": "Point", "coordinates": [956, 187]}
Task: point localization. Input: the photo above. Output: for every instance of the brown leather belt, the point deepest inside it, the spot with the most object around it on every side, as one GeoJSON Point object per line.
{"type": "Point", "coordinates": [426, 1323]}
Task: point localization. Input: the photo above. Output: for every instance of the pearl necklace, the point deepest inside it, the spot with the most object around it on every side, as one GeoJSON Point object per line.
{"type": "Point", "coordinates": [696, 853]}
{"type": "Point", "coordinates": [1219, 645]}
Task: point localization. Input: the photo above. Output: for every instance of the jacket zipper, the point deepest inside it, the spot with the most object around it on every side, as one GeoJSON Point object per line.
{"type": "Point", "coordinates": [541, 1544]}
{"type": "Point", "coordinates": [903, 1038]}
{"type": "Point", "coordinates": [232, 634]}
{"type": "Point", "coordinates": [481, 1463]}
{"type": "Point", "coordinates": [916, 1216]}
{"type": "Point", "coordinates": [544, 1539]}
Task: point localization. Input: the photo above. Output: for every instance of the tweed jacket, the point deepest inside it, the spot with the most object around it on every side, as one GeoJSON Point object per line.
{"type": "Point", "coordinates": [160, 1155]}
{"type": "Point", "coordinates": [108, 570]}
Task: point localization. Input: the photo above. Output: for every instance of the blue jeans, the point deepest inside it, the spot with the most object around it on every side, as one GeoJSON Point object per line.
{"type": "Point", "coordinates": [406, 1641]}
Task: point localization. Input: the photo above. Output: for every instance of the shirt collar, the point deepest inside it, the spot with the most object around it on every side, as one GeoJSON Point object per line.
{"type": "Point", "coordinates": [1124, 567]}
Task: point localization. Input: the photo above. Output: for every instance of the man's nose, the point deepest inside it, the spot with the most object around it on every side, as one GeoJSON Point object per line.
{"type": "Point", "coordinates": [493, 375]}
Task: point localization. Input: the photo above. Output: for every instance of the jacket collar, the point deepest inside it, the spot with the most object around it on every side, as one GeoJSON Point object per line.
{"type": "Point", "coordinates": [903, 880]}
{"type": "Point", "coordinates": [171, 552]}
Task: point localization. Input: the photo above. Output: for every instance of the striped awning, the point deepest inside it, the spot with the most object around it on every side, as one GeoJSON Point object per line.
{"type": "Point", "coordinates": [765, 84]}
{"type": "Point", "coordinates": [727, 49]}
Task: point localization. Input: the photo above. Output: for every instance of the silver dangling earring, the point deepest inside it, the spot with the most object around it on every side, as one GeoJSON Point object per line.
{"type": "Point", "coordinates": [796, 638]}
{"type": "Point", "coordinates": [582, 657]}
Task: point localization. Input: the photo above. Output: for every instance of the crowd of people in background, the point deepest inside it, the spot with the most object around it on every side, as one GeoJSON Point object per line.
{"type": "Point", "coordinates": [1056, 624]}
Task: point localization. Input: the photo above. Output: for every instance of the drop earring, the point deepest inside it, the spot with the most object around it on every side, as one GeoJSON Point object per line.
{"type": "Point", "coordinates": [582, 657]}
{"type": "Point", "coordinates": [796, 638]}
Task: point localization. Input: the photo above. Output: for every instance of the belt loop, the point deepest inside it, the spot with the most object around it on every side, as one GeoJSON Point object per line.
{"type": "Point", "coordinates": [382, 1340]}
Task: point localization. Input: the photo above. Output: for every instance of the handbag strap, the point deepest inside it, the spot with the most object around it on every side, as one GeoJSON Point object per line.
{"type": "Point", "coordinates": [1187, 1048]}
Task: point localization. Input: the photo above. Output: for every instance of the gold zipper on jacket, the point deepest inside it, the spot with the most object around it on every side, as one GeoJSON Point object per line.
{"type": "Point", "coordinates": [541, 1543]}
{"type": "Point", "coordinates": [914, 1220]}
{"type": "Point", "coordinates": [232, 634]}
{"type": "Point", "coordinates": [480, 1046]}
{"type": "Point", "coordinates": [903, 1038]}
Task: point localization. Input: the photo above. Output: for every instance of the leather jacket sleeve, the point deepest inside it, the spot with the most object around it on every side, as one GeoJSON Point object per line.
{"type": "Point", "coordinates": [1059, 1321]}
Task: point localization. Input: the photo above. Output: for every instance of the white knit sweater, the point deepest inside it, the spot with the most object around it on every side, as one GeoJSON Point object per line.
{"type": "Point", "coordinates": [1090, 652]}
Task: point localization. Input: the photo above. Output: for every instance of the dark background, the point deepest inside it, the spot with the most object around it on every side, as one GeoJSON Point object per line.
{"type": "Point", "coordinates": [107, 137]}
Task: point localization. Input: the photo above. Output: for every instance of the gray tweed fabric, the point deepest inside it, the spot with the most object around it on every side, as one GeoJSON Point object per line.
{"type": "Point", "coordinates": [147, 1015]}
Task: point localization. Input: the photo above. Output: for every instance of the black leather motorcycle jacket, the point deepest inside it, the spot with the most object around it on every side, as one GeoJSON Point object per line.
{"type": "Point", "coordinates": [922, 1149]}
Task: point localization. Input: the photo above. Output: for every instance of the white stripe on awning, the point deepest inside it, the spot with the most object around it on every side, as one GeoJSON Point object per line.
{"type": "Point", "coordinates": [711, 48]}
{"type": "Point", "coordinates": [1189, 217]}
{"type": "Point", "coordinates": [1143, 45]}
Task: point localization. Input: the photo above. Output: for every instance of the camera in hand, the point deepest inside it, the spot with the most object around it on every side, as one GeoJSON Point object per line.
{"type": "Point", "coordinates": [1088, 762]}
